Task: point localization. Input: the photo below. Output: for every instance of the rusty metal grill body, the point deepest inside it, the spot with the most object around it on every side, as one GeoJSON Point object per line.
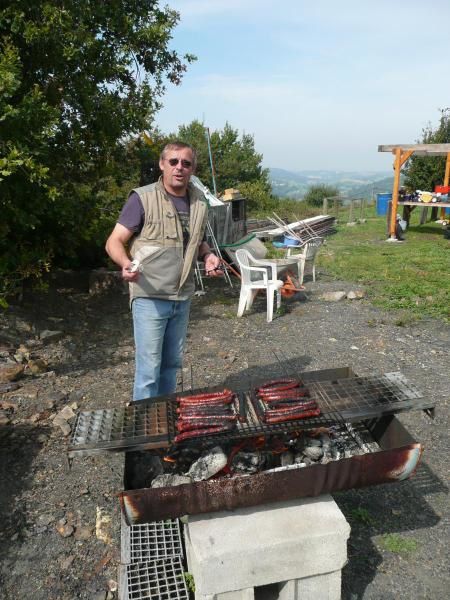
{"type": "Point", "coordinates": [162, 579]}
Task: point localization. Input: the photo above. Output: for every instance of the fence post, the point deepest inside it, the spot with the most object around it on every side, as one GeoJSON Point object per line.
{"type": "Point", "coordinates": [325, 206]}
{"type": "Point", "coordinates": [362, 203]}
{"type": "Point", "coordinates": [336, 208]}
{"type": "Point", "coordinates": [350, 215]}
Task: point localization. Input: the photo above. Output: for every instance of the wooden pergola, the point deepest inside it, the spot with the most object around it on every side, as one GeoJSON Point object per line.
{"type": "Point", "coordinates": [401, 154]}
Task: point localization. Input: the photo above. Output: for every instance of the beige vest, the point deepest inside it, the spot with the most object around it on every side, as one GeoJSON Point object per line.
{"type": "Point", "coordinates": [166, 273]}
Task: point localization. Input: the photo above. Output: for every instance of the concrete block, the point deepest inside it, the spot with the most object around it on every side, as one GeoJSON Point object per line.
{"type": "Point", "coordinates": [248, 594]}
{"type": "Point", "coordinates": [325, 587]}
{"type": "Point", "coordinates": [252, 547]}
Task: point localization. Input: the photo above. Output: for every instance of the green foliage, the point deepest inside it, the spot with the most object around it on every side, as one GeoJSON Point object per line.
{"type": "Point", "coordinates": [77, 81]}
{"type": "Point", "coordinates": [424, 172]}
{"type": "Point", "coordinates": [362, 515]}
{"type": "Point", "coordinates": [190, 583]}
{"type": "Point", "coordinates": [316, 193]}
{"type": "Point", "coordinates": [235, 158]}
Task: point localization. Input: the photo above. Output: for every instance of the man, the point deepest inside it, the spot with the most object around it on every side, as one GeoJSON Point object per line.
{"type": "Point", "coordinates": [164, 223]}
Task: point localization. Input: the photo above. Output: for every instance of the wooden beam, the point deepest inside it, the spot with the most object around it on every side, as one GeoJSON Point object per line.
{"type": "Point", "coordinates": [397, 167]}
{"type": "Point", "coordinates": [422, 148]}
{"type": "Point", "coordinates": [446, 179]}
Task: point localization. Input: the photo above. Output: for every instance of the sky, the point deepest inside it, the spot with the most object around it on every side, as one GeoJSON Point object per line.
{"type": "Point", "coordinates": [318, 83]}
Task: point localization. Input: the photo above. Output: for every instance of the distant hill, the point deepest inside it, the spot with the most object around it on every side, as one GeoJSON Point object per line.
{"type": "Point", "coordinates": [351, 184]}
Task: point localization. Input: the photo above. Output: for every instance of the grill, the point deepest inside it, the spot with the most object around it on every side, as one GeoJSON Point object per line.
{"type": "Point", "coordinates": [341, 396]}
{"type": "Point", "coordinates": [162, 579]}
{"type": "Point", "coordinates": [360, 410]}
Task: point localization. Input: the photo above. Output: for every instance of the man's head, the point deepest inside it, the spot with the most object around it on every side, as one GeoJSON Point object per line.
{"type": "Point", "coordinates": [177, 163]}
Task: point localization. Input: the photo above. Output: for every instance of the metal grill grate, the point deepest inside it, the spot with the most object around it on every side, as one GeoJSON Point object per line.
{"type": "Point", "coordinates": [151, 425]}
{"type": "Point", "coordinates": [155, 580]}
{"type": "Point", "coordinates": [365, 397]}
{"type": "Point", "coordinates": [151, 541]}
{"type": "Point", "coordinates": [138, 425]}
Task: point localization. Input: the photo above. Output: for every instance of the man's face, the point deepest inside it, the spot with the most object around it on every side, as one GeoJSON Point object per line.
{"type": "Point", "coordinates": [177, 167]}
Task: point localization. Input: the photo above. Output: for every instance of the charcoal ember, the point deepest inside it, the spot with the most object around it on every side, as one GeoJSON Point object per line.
{"type": "Point", "coordinates": [170, 480]}
{"type": "Point", "coordinates": [208, 465]}
{"type": "Point", "coordinates": [248, 462]}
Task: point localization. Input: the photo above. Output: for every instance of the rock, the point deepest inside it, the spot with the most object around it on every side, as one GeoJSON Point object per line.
{"type": "Point", "coordinates": [4, 419]}
{"type": "Point", "coordinates": [5, 388]}
{"type": "Point", "coordinates": [66, 413]}
{"type": "Point", "coordinates": [76, 396]}
{"type": "Point", "coordinates": [208, 464]}
{"type": "Point", "coordinates": [54, 399]}
{"type": "Point", "coordinates": [112, 585]}
{"type": "Point", "coordinates": [10, 372]}
{"type": "Point", "coordinates": [168, 480]}
{"type": "Point", "coordinates": [64, 529]}
{"type": "Point", "coordinates": [46, 519]}
{"type": "Point", "coordinates": [356, 295]}
{"type": "Point", "coordinates": [313, 452]}
{"type": "Point", "coordinates": [333, 296]}
{"type": "Point", "coordinates": [48, 336]}
{"type": "Point", "coordinates": [103, 526]}
{"type": "Point", "coordinates": [62, 424]}
{"type": "Point", "coordinates": [84, 532]}
{"type": "Point", "coordinates": [66, 562]}
{"type": "Point", "coordinates": [37, 366]}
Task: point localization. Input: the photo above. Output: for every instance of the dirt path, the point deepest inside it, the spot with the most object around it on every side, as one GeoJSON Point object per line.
{"type": "Point", "coordinates": [49, 548]}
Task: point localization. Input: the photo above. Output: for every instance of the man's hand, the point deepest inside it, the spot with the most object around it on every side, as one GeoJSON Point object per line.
{"type": "Point", "coordinates": [212, 266]}
{"type": "Point", "coordinates": [128, 274]}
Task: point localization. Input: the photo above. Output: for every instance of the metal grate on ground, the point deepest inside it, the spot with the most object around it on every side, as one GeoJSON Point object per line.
{"type": "Point", "coordinates": [155, 580]}
{"type": "Point", "coordinates": [140, 425]}
{"type": "Point", "coordinates": [151, 541]}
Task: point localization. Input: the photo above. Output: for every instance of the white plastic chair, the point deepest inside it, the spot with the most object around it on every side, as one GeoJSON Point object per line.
{"type": "Point", "coordinates": [308, 254]}
{"type": "Point", "coordinates": [257, 275]}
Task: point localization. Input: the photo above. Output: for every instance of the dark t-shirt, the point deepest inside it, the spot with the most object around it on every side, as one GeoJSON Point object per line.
{"type": "Point", "coordinates": [132, 215]}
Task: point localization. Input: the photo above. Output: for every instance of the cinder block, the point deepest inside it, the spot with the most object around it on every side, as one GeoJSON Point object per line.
{"type": "Point", "coordinates": [252, 547]}
{"type": "Point", "coordinates": [325, 587]}
{"type": "Point", "coordinates": [247, 594]}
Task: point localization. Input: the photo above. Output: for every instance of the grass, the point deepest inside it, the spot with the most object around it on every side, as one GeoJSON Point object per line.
{"type": "Point", "coordinates": [362, 515]}
{"type": "Point", "coordinates": [412, 276]}
{"type": "Point", "coordinates": [398, 544]}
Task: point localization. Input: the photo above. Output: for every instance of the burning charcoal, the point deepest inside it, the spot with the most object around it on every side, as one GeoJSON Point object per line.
{"type": "Point", "coordinates": [314, 453]}
{"type": "Point", "coordinates": [248, 462]}
{"type": "Point", "coordinates": [168, 480]}
{"type": "Point", "coordinates": [287, 458]}
{"type": "Point", "coordinates": [317, 442]}
{"type": "Point", "coordinates": [208, 464]}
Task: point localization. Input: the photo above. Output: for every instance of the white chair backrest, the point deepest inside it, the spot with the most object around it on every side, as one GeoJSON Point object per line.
{"type": "Point", "coordinates": [311, 248]}
{"type": "Point", "coordinates": [244, 259]}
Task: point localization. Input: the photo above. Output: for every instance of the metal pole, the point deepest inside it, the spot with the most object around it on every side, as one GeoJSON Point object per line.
{"type": "Point", "coordinates": [211, 162]}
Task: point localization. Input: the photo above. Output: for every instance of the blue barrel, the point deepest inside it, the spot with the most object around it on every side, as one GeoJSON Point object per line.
{"type": "Point", "coordinates": [382, 203]}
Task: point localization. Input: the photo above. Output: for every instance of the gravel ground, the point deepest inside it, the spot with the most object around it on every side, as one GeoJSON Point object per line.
{"type": "Point", "coordinates": [50, 547]}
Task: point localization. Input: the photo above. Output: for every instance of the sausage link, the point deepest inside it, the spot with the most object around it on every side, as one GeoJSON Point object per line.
{"type": "Point", "coordinates": [293, 417]}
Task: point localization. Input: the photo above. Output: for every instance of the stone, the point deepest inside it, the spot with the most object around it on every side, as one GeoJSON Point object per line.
{"type": "Point", "coordinates": [64, 530]}
{"type": "Point", "coordinates": [333, 296]}
{"type": "Point", "coordinates": [66, 562]}
{"type": "Point", "coordinates": [62, 424]}
{"type": "Point", "coordinates": [5, 388]}
{"type": "Point", "coordinates": [103, 526]}
{"type": "Point", "coordinates": [325, 587]}
{"type": "Point", "coordinates": [48, 336]}
{"type": "Point", "coordinates": [66, 413]}
{"type": "Point", "coordinates": [46, 519]}
{"type": "Point", "coordinates": [84, 532]}
{"type": "Point", "coordinates": [266, 544]}
{"type": "Point", "coordinates": [356, 294]}
{"type": "Point", "coordinates": [37, 366]}
{"type": "Point", "coordinates": [4, 419]}
{"type": "Point", "coordinates": [10, 372]}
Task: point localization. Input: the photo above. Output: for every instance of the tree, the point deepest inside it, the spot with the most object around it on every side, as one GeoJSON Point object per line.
{"type": "Point", "coordinates": [424, 172]}
{"type": "Point", "coordinates": [316, 193]}
{"type": "Point", "coordinates": [235, 158]}
{"type": "Point", "coordinates": [78, 79]}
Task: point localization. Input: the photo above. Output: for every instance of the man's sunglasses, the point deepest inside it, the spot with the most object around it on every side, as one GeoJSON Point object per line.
{"type": "Point", "coordinates": [186, 164]}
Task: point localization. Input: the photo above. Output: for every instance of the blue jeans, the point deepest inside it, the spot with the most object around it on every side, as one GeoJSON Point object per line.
{"type": "Point", "coordinates": [160, 328]}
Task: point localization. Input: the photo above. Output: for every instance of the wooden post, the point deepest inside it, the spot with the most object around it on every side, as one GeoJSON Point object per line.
{"type": "Point", "coordinates": [388, 216]}
{"type": "Point", "coordinates": [361, 208]}
{"type": "Point", "coordinates": [446, 180]}
{"type": "Point", "coordinates": [350, 216]}
{"type": "Point", "coordinates": [336, 208]}
{"type": "Point", "coordinates": [325, 206]}
{"type": "Point", "coordinates": [397, 166]}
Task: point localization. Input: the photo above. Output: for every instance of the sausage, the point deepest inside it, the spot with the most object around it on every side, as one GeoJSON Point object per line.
{"type": "Point", "coordinates": [294, 393]}
{"type": "Point", "coordinates": [293, 408]}
{"type": "Point", "coordinates": [200, 424]}
{"type": "Point", "coordinates": [279, 384]}
{"type": "Point", "coordinates": [186, 435]}
{"type": "Point", "coordinates": [293, 417]}
{"type": "Point", "coordinates": [204, 396]}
